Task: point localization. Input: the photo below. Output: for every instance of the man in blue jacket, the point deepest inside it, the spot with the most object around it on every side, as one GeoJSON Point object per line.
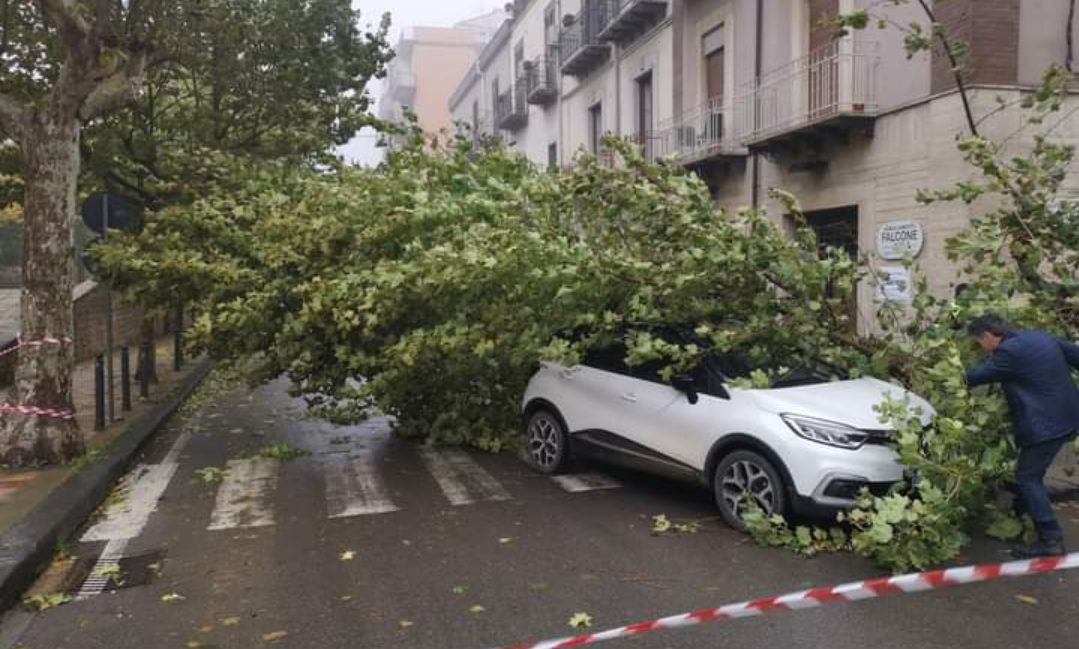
{"type": "Point", "coordinates": [1035, 370]}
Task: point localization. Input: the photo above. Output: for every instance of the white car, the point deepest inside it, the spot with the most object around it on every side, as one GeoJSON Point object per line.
{"type": "Point", "coordinates": [806, 446]}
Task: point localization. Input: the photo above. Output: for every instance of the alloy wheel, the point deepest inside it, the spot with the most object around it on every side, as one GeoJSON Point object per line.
{"type": "Point", "coordinates": [746, 479]}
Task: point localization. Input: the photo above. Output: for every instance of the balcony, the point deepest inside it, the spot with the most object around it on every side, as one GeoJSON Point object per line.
{"type": "Point", "coordinates": [403, 85]}
{"type": "Point", "coordinates": [579, 45]}
{"type": "Point", "coordinates": [832, 90]}
{"type": "Point", "coordinates": [542, 84]}
{"type": "Point", "coordinates": [653, 144]}
{"type": "Point", "coordinates": [700, 134]}
{"type": "Point", "coordinates": [624, 20]}
{"type": "Point", "coordinates": [511, 108]}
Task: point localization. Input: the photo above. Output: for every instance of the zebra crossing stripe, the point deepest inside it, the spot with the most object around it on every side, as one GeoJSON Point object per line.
{"type": "Point", "coordinates": [460, 478]}
{"type": "Point", "coordinates": [245, 497]}
{"type": "Point", "coordinates": [578, 482]}
{"type": "Point", "coordinates": [140, 490]}
{"type": "Point", "coordinates": [100, 575]}
{"type": "Point", "coordinates": [354, 487]}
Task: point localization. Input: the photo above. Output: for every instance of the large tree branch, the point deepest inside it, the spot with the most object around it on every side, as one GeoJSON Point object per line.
{"type": "Point", "coordinates": [14, 118]}
{"type": "Point", "coordinates": [66, 16]}
{"type": "Point", "coordinates": [117, 89]}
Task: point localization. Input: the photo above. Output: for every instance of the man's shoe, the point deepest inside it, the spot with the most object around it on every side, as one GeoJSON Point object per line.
{"type": "Point", "coordinates": [1039, 549]}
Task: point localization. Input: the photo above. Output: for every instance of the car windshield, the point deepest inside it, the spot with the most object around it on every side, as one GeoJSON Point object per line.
{"type": "Point", "coordinates": [811, 372]}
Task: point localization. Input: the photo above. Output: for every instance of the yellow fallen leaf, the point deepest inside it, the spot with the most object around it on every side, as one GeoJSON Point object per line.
{"type": "Point", "coordinates": [346, 598]}
{"type": "Point", "coordinates": [230, 621]}
{"type": "Point", "coordinates": [505, 539]}
{"type": "Point", "coordinates": [193, 644]}
{"type": "Point", "coordinates": [405, 623]}
{"type": "Point", "coordinates": [205, 629]}
{"type": "Point", "coordinates": [275, 636]}
{"type": "Point", "coordinates": [172, 597]}
{"type": "Point", "coordinates": [1026, 599]}
{"type": "Point", "coordinates": [348, 555]}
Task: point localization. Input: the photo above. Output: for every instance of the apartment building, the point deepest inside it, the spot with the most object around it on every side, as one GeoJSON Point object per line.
{"type": "Point", "coordinates": [756, 94]}
{"type": "Point", "coordinates": [428, 63]}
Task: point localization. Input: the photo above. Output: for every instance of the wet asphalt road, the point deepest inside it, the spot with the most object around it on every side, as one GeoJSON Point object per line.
{"type": "Point", "coordinates": [325, 564]}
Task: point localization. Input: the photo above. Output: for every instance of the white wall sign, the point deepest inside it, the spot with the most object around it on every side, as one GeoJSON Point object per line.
{"type": "Point", "coordinates": [895, 285]}
{"type": "Point", "coordinates": [898, 239]}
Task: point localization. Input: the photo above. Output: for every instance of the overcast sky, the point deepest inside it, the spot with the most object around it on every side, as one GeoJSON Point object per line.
{"type": "Point", "coordinates": [408, 13]}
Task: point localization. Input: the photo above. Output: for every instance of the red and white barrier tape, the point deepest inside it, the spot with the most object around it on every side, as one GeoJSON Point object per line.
{"type": "Point", "coordinates": [902, 584]}
{"type": "Point", "coordinates": [40, 342]}
{"type": "Point", "coordinates": [34, 411]}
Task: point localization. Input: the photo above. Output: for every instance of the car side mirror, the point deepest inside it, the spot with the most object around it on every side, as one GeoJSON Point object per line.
{"type": "Point", "coordinates": [685, 383]}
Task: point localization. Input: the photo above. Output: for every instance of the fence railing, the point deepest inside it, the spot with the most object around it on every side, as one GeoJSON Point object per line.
{"type": "Point", "coordinates": [837, 79]}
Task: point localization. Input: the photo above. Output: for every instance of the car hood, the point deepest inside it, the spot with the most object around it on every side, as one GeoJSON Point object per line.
{"type": "Point", "coordinates": [847, 402]}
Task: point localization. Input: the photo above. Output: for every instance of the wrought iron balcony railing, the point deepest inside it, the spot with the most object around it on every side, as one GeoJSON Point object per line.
{"type": "Point", "coordinates": [835, 81]}
{"type": "Point", "coordinates": [700, 133]}
{"type": "Point", "coordinates": [580, 48]}
{"type": "Point", "coordinates": [624, 19]}
{"type": "Point", "coordinates": [542, 81]}
{"type": "Point", "coordinates": [511, 107]}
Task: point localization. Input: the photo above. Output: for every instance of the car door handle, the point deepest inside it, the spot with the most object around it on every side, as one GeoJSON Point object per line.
{"type": "Point", "coordinates": [630, 397]}
{"type": "Point", "coordinates": [569, 373]}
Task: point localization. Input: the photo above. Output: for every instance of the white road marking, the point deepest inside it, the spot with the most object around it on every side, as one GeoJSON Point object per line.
{"type": "Point", "coordinates": [354, 486]}
{"type": "Point", "coordinates": [578, 482]}
{"type": "Point", "coordinates": [100, 575]}
{"type": "Point", "coordinates": [173, 456]}
{"type": "Point", "coordinates": [142, 488]}
{"type": "Point", "coordinates": [245, 497]}
{"type": "Point", "coordinates": [460, 478]}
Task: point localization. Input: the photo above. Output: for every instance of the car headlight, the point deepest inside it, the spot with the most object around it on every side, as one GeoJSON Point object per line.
{"type": "Point", "coordinates": [826, 432]}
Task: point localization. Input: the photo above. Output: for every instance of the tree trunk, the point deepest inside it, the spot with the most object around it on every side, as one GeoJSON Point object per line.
{"type": "Point", "coordinates": [43, 375]}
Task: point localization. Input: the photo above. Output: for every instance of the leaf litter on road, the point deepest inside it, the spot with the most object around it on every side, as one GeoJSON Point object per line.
{"type": "Point", "coordinates": [580, 621]}
{"type": "Point", "coordinates": [274, 636]}
{"type": "Point", "coordinates": [348, 555]}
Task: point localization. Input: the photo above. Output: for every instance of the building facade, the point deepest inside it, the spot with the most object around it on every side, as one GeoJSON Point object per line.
{"type": "Point", "coordinates": [428, 63]}
{"type": "Point", "coordinates": [760, 94]}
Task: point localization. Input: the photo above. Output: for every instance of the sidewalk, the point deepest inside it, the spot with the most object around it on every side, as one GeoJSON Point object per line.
{"type": "Point", "coordinates": [21, 491]}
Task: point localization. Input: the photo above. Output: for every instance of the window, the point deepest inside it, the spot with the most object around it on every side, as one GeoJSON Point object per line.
{"type": "Point", "coordinates": [715, 53]}
{"type": "Point", "coordinates": [611, 358]}
{"type": "Point", "coordinates": [550, 27]}
{"type": "Point", "coordinates": [552, 155]}
{"type": "Point", "coordinates": [519, 59]}
{"type": "Point", "coordinates": [645, 113]}
{"type": "Point", "coordinates": [595, 128]}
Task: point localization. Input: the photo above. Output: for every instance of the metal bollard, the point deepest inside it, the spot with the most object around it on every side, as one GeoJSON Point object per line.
{"type": "Point", "coordinates": [99, 392]}
{"type": "Point", "coordinates": [125, 378]}
{"type": "Point", "coordinates": [144, 371]}
{"type": "Point", "coordinates": [178, 340]}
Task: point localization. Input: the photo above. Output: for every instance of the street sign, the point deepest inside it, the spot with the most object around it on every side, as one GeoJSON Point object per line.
{"type": "Point", "coordinates": [103, 209]}
{"type": "Point", "coordinates": [897, 239]}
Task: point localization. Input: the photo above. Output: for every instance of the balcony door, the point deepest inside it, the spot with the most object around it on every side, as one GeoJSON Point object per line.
{"type": "Point", "coordinates": [645, 115]}
{"type": "Point", "coordinates": [715, 80]}
{"type": "Point", "coordinates": [823, 59]}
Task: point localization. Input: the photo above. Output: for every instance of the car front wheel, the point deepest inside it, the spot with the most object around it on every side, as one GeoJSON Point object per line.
{"type": "Point", "coordinates": [548, 443]}
{"type": "Point", "coordinates": [744, 477]}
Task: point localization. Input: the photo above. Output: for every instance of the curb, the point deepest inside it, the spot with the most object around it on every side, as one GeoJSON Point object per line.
{"type": "Point", "coordinates": [27, 548]}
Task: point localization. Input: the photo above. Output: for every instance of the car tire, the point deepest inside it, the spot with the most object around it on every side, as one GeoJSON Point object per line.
{"type": "Point", "coordinates": [546, 442]}
{"type": "Point", "coordinates": [747, 472]}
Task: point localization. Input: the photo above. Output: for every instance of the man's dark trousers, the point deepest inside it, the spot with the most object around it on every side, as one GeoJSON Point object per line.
{"type": "Point", "coordinates": [1034, 461]}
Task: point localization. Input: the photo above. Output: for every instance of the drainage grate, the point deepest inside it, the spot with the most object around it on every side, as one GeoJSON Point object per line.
{"type": "Point", "coordinates": [140, 570]}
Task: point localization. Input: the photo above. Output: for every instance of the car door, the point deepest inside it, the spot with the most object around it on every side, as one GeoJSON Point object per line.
{"type": "Point", "coordinates": [598, 391]}
{"type": "Point", "coordinates": [666, 422]}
